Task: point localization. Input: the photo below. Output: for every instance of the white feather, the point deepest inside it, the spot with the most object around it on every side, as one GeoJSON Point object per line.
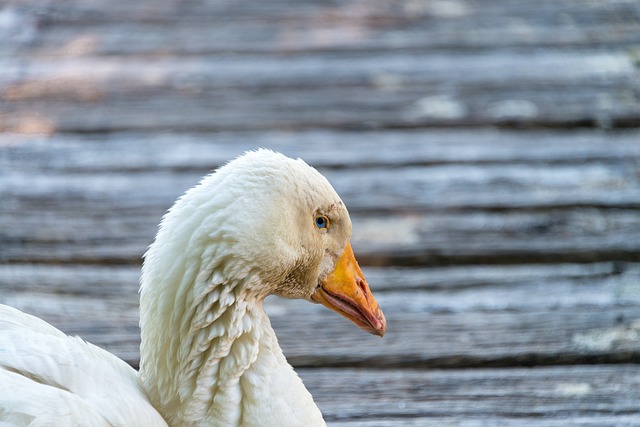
{"type": "Point", "coordinates": [209, 356]}
{"type": "Point", "coordinates": [49, 378]}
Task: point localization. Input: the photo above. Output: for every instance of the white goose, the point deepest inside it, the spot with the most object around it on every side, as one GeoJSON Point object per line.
{"type": "Point", "coordinates": [263, 224]}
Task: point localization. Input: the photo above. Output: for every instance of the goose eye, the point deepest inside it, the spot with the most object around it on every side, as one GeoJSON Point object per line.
{"type": "Point", "coordinates": [322, 221]}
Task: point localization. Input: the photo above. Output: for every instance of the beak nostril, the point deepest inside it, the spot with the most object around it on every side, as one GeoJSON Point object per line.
{"type": "Point", "coordinates": [362, 284]}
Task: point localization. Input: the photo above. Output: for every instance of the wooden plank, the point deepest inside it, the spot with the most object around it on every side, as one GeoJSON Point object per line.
{"type": "Point", "coordinates": [121, 281]}
{"type": "Point", "coordinates": [130, 78]}
{"type": "Point", "coordinates": [553, 89]}
{"type": "Point", "coordinates": [77, 27]}
{"type": "Point", "coordinates": [437, 164]}
{"type": "Point", "coordinates": [435, 239]}
{"type": "Point", "coordinates": [201, 152]}
{"type": "Point", "coordinates": [505, 317]}
{"type": "Point", "coordinates": [410, 189]}
{"type": "Point", "coordinates": [473, 277]}
{"type": "Point", "coordinates": [346, 108]}
{"type": "Point", "coordinates": [523, 202]}
{"type": "Point", "coordinates": [550, 396]}
{"type": "Point", "coordinates": [78, 12]}
{"type": "Point", "coordinates": [286, 35]}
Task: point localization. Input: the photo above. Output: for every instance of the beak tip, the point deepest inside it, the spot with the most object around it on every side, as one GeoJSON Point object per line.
{"type": "Point", "coordinates": [381, 328]}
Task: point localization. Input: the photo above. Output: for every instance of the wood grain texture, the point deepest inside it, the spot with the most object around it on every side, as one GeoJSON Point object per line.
{"type": "Point", "coordinates": [92, 68]}
{"type": "Point", "coordinates": [569, 197]}
{"type": "Point", "coordinates": [488, 152]}
{"type": "Point", "coordinates": [538, 397]}
{"type": "Point", "coordinates": [443, 317]}
{"type": "Point", "coordinates": [564, 90]}
{"type": "Point", "coordinates": [284, 26]}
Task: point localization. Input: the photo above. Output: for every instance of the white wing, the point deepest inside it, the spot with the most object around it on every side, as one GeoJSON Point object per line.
{"type": "Point", "coordinates": [49, 378]}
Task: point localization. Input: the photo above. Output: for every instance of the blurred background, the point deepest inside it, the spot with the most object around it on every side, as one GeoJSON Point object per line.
{"type": "Point", "coordinates": [488, 151]}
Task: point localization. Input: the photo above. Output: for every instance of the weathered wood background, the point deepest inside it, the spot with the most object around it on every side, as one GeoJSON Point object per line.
{"type": "Point", "coordinates": [489, 152]}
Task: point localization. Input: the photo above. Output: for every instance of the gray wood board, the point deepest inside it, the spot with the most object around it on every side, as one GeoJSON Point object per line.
{"type": "Point", "coordinates": [556, 89]}
{"type": "Point", "coordinates": [539, 397]}
{"type": "Point", "coordinates": [329, 149]}
{"type": "Point", "coordinates": [467, 316]}
{"type": "Point", "coordinates": [48, 27]}
{"type": "Point", "coordinates": [568, 197]}
{"type": "Point", "coordinates": [60, 236]}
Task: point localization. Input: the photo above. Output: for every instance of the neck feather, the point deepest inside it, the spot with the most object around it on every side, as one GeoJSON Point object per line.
{"type": "Point", "coordinates": [220, 364]}
{"type": "Point", "coordinates": [222, 343]}
{"type": "Point", "coordinates": [208, 354]}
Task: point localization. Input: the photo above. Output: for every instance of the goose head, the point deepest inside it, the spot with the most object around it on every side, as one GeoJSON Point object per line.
{"type": "Point", "coordinates": [295, 233]}
{"type": "Point", "coordinates": [293, 228]}
{"type": "Point", "coordinates": [262, 216]}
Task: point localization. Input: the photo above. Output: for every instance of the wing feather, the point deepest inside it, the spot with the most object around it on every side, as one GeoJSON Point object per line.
{"type": "Point", "coordinates": [51, 376]}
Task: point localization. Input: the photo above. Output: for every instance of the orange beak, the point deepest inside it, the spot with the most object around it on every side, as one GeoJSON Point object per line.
{"type": "Point", "coordinates": [346, 292]}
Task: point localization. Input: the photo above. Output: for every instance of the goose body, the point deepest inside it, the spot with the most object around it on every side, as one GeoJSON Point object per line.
{"type": "Point", "coordinates": [262, 224]}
